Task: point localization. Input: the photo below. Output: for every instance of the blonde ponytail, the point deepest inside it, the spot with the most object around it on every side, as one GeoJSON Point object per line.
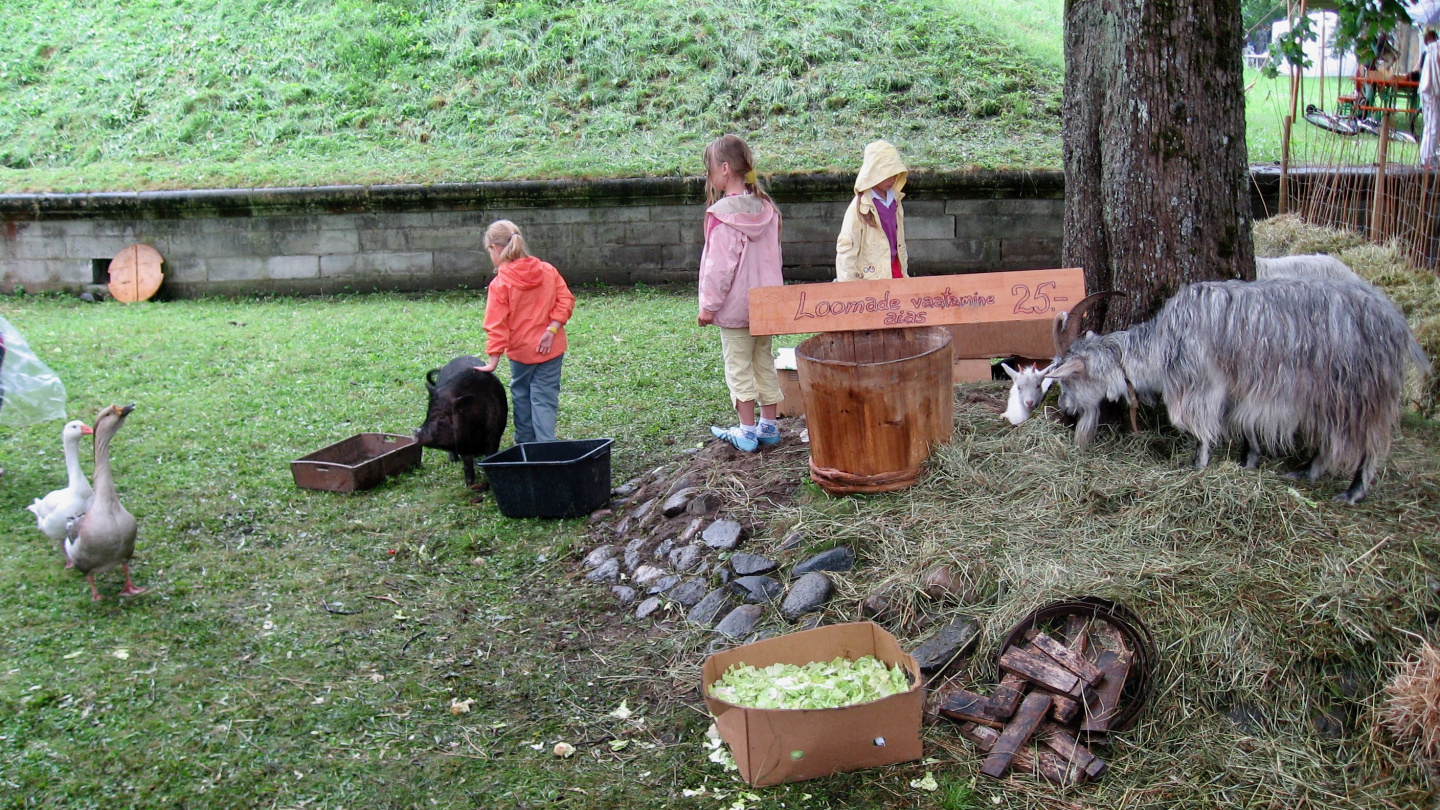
{"type": "Point", "coordinates": [505, 234]}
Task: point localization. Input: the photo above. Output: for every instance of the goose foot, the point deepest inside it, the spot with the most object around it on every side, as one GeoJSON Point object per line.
{"type": "Point", "coordinates": [94, 592]}
{"type": "Point", "coordinates": [130, 589]}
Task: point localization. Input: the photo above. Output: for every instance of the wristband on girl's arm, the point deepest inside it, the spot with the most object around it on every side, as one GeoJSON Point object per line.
{"type": "Point", "coordinates": [554, 330]}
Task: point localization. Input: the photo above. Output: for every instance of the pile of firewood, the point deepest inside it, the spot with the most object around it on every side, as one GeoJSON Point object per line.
{"type": "Point", "coordinates": [1053, 692]}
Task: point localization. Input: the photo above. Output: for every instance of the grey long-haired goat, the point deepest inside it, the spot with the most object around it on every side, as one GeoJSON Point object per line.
{"type": "Point", "coordinates": [1272, 362]}
{"type": "Point", "coordinates": [1028, 386]}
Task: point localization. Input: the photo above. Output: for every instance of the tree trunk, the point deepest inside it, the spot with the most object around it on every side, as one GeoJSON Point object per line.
{"type": "Point", "coordinates": [1156, 180]}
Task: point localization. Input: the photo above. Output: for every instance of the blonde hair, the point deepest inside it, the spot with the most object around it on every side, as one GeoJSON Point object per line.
{"type": "Point", "coordinates": [505, 234]}
{"type": "Point", "coordinates": [731, 149]}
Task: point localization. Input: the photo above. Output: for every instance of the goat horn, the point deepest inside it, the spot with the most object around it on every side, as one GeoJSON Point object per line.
{"type": "Point", "coordinates": [1067, 330]}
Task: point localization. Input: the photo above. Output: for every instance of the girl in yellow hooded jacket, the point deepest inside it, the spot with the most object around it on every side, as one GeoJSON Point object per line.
{"type": "Point", "coordinates": [872, 238]}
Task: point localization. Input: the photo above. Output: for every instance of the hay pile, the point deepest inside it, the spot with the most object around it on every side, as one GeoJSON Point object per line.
{"type": "Point", "coordinates": [1415, 290]}
{"type": "Point", "coordinates": [1412, 704]}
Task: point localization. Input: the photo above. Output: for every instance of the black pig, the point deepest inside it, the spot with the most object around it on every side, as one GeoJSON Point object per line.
{"type": "Point", "coordinates": [467, 412]}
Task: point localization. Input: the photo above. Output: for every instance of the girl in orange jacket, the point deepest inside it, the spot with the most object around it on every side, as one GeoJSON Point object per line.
{"type": "Point", "coordinates": [526, 307]}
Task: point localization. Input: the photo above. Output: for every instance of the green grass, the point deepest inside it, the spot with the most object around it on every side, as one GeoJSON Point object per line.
{"type": "Point", "coordinates": [1267, 102]}
{"type": "Point", "coordinates": [212, 93]}
{"type": "Point", "coordinates": [238, 687]}
{"type": "Point", "coordinates": [1035, 27]}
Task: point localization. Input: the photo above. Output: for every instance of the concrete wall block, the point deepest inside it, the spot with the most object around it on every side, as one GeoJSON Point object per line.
{"type": "Point", "coordinates": [39, 274]}
{"type": "Point", "coordinates": [816, 210]}
{"type": "Point", "coordinates": [810, 230]}
{"type": "Point", "coordinates": [33, 246]}
{"type": "Point", "coordinates": [317, 242]}
{"type": "Point", "coordinates": [1035, 254]}
{"type": "Point", "coordinates": [338, 222]}
{"type": "Point", "coordinates": [284, 267]}
{"type": "Point", "coordinates": [95, 247]}
{"type": "Point", "coordinates": [929, 228]}
{"type": "Point", "coordinates": [652, 233]}
{"type": "Point", "coordinates": [682, 257]}
{"type": "Point", "coordinates": [375, 264]}
{"type": "Point", "coordinates": [923, 208]}
{"type": "Point", "coordinates": [58, 229]}
{"type": "Point", "coordinates": [384, 240]}
{"type": "Point", "coordinates": [380, 222]}
{"type": "Point", "coordinates": [234, 240]}
{"type": "Point", "coordinates": [476, 220]}
{"type": "Point", "coordinates": [473, 265]}
{"type": "Point", "coordinates": [122, 228]}
{"type": "Point", "coordinates": [818, 254]}
{"type": "Point", "coordinates": [631, 257]}
{"type": "Point", "coordinates": [184, 270]}
{"type": "Point", "coordinates": [455, 238]}
{"type": "Point", "coordinates": [234, 268]}
{"type": "Point", "coordinates": [1030, 207]}
{"type": "Point", "coordinates": [949, 251]}
{"type": "Point", "coordinates": [676, 213]}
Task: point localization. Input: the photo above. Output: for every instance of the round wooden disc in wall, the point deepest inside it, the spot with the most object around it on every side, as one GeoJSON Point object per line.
{"type": "Point", "coordinates": [135, 273]}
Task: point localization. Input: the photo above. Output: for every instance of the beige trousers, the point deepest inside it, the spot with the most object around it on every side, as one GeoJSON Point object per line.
{"type": "Point", "coordinates": [749, 367]}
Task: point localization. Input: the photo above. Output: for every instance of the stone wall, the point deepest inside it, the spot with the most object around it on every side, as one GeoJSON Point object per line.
{"type": "Point", "coordinates": [363, 238]}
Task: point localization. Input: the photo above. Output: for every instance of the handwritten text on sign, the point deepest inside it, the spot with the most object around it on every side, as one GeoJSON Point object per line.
{"type": "Point", "coordinates": [1020, 295]}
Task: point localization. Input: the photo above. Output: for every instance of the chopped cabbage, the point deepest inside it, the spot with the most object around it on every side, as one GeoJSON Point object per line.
{"type": "Point", "coordinates": [817, 685]}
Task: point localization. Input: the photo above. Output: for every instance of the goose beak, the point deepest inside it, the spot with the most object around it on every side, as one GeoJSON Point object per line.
{"type": "Point", "coordinates": [86, 430]}
{"type": "Point", "coordinates": [124, 410]}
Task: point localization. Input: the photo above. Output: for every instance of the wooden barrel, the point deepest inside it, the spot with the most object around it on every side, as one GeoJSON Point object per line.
{"type": "Point", "coordinates": [876, 402]}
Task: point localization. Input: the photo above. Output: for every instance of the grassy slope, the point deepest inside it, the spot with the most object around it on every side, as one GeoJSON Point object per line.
{"type": "Point", "coordinates": [203, 93]}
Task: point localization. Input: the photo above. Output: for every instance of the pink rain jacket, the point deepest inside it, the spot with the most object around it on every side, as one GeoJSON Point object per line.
{"type": "Point", "coordinates": [742, 251]}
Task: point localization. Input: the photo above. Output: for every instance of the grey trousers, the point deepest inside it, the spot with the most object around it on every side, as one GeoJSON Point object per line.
{"type": "Point", "coordinates": [535, 396]}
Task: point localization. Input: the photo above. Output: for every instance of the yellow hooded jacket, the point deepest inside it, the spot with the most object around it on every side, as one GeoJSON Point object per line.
{"type": "Point", "coordinates": [862, 251]}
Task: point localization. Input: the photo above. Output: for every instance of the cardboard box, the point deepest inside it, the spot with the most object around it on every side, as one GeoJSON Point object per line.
{"type": "Point", "coordinates": [793, 404]}
{"type": "Point", "coordinates": [772, 746]}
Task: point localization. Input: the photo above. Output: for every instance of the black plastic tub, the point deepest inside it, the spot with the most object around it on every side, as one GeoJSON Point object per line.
{"type": "Point", "coordinates": [550, 479]}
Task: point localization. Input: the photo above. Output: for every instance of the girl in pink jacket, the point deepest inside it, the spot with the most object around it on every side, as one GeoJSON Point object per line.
{"type": "Point", "coordinates": [742, 251]}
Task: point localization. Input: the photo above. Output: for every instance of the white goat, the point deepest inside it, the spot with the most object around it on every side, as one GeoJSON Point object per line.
{"type": "Point", "coordinates": [1028, 389]}
{"type": "Point", "coordinates": [1029, 386]}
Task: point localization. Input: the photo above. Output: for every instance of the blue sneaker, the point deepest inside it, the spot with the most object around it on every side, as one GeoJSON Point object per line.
{"type": "Point", "coordinates": [737, 437]}
{"type": "Point", "coordinates": [767, 434]}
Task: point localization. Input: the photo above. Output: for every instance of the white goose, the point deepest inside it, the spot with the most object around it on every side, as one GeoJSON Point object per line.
{"type": "Point", "coordinates": [53, 510]}
{"type": "Point", "coordinates": [104, 536]}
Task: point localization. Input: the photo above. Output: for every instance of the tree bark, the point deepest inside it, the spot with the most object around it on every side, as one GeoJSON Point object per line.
{"type": "Point", "coordinates": [1156, 178]}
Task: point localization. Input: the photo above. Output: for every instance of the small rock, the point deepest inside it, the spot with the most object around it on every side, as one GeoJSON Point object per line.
{"type": "Point", "coordinates": [690, 451]}
{"type": "Point", "coordinates": [718, 644]}
{"type": "Point", "coordinates": [646, 509]}
{"type": "Point", "coordinates": [626, 489]}
{"type": "Point", "coordinates": [757, 589]}
{"type": "Point", "coordinates": [648, 574]}
{"type": "Point", "coordinates": [722, 534]}
{"type": "Point", "coordinates": [87, 297]}
{"type": "Point", "coordinates": [663, 550]}
{"type": "Point", "coordinates": [636, 544]}
{"type": "Point", "coordinates": [792, 541]}
{"type": "Point", "coordinates": [1433, 585]}
{"type": "Point", "coordinates": [704, 566]}
{"type": "Point", "coordinates": [723, 574]}
{"type": "Point", "coordinates": [944, 582]}
{"type": "Point", "coordinates": [812, 621]}
{"type": "Point", "coordinates": [632, 560]}
{"type": "Point", "coordinates": [600, 514]}
{"type": "Point", "coordinates": [764, 634]}
{"type": "Point", "coordinates": [676, 503]}
{"type": "Point", "coordinates": [624, 593]}
{"type": "Point", "coordinates": [807, 594]}
{"type": "Point", "coordinates": [688, 593]}
{"type": "Point", "coordinates": [876, 607]}
{"type": "Point", "coordinates": [647, 607]}
{"type": "Point", "coordinates": [689, 480]}
{"type": "Point", "coordinates": [690, 530]}
{"type": "Point", "coordinates": [616, 504]}
{"type": "Point", "coordinates": [608, 571]}
{"type": "Point", "coordinates": [1247, 717]}
{"type": "Point", "coordinates": [598, 556]}
{"type": "Point", "coordinates": [740, 621]}
{"type": "Point", "coordinates": [685, 557]}
{"type": "Point", "coordinates": [747, 564]}
{"type": "Point", "coordinates": [623, 527]}
{"type": "Point", "coordinates": [955, 640]}
{"type": "Point", "coordinates": [708, 608]}
{"type": "Point", "coordinates": [704, 503]}
{"type": "Point", "coordinates": [839, 558]}
{"type": "Point", "coordinates": [664, 584]}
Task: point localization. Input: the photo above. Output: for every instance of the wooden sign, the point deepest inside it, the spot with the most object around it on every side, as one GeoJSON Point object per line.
{"type": "Point", "coordinates": [135, 273]}
{"type": "Point", "coordinates": [1020, 295]}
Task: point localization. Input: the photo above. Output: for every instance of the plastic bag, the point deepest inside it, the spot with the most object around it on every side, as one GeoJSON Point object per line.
{"type": "Point", "coordinates": [29, 391]}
